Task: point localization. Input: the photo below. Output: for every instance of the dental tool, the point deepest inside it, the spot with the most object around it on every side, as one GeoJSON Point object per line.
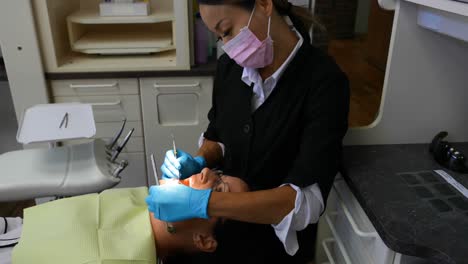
{"type": "Point", "coordinates": [118, 150]}
{"type": "Point", "coordinates": [122, 166]}
{"type": "Point", "coordinates": [155, 172]}
{"type": "Point", "coordinates": [114, 141]}
{"type": "Point", "coordinates": [174, 145]}
{"type": "Point", "coordinates": [174, 149]}
{"type": "Point", "coordinates": [169, 227]}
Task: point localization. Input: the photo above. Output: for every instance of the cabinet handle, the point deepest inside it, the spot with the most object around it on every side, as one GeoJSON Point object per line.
{"type": "Point", "coordinates": [98, 86]}
{"type": "Point", "coordinates": [193, 85]}
{"type": "Point", "coordinates": [327, 250]}
{"type": "Point", "coordinates": [116, 103]}
{"type": "Point", "coordinates": [355, 227]}
{"type": "Point", "coordinates": [338, 241]}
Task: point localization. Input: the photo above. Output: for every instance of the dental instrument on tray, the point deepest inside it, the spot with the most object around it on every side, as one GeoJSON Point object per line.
{"type": "Point", "coordinates": [114, 141]}
{"type": "Point", "coordinates": [116, 152]}
{"type": "Point", "coordinates": [122, 166]}
{"type": "Point", "coordinates": [169, 227]}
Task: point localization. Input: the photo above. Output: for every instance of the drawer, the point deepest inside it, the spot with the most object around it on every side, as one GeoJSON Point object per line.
{"type": "Point", "coordinates": [335, 252]}
{"type": "Point", "coordinates": [109, 108]}
{"type": "Point", "coordinates": [95, 87]}
{"type": "Point", "coordinates": [356, 231]}
{"type": "Point", "coordinates": [135, 174]}
{"type": "Point", "coordinates": [135, 144]}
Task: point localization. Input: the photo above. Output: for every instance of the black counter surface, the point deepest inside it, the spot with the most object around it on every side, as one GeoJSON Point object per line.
{"type": "Point", "coordinates": [414, 210]}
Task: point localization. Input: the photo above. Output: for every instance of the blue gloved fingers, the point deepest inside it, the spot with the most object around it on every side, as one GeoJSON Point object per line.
{"type": "Point", "coordinates": [181, 153]}
{"type": "Point", "coordinates": [169, 174]}
{"type": "Point", "coordinates": [172, 159]}
{"type": "Point", "coordinates": [185, 167]}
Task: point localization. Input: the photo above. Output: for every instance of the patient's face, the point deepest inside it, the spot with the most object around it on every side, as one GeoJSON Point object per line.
{"type": "Point", "coordinates": [207, 179]}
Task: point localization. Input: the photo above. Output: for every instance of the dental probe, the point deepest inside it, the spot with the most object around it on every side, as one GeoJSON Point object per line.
{"type": "Point", "coordinates": [174, 145]}
{"type": "Point", "coordinates": [155, 172]}
{"type": "Point", "coordinates": [169, 227]}
{"type": "Point", "coordinates": [118, 150]}
{"type": "Point", "coordinates": [174, 148]}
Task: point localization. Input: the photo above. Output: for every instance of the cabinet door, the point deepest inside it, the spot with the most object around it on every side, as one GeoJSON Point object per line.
{"type": "Point", "coordinates": [177, 106]}
{"type": "Point", "coordinates": [108, 108]}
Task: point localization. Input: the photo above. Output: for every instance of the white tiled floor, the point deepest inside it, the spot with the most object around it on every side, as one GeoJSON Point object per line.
{"type": "Point", "coordinates": [8, 123]}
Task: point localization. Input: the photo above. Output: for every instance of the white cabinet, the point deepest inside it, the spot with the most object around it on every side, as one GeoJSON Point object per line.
{"type": "Point", "coordinates": [177, 106]}
{"type": "Point", "coordinates": [166, 106]}
{"type": "Point", "coordinates": [109, 108]}
{"type": "Point", "coordinates": [75, 38]}
{"type": "Point", "coordinates": [350, 237]}
{"type": "Point", "coordinates": [112, 100]}
{"type": "Point", "coordinates": [347, 236]}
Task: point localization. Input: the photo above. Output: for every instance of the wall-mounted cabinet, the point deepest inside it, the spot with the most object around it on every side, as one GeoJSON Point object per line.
{"type": "Point", "coordinates": [75, 38]}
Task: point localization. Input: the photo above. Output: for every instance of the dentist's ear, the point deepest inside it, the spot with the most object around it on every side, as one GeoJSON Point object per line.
{"type": "Point", "coordinates": [205, 242]}
{"type": "Point", "coordinates": [266, 6]}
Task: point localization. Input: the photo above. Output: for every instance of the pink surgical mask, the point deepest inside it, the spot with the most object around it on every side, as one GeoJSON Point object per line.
{"type": "Point", "coordinates": [248, 51]}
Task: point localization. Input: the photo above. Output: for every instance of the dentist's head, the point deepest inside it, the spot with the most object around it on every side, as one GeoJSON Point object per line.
{"type": "Point", "coordinates": [253, 31]}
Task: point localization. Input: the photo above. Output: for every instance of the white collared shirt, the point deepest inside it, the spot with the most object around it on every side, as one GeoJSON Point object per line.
{"type": "Point", "coordinates": [263, 89]}
{"type": "Point", "coordinates": [309, 201]}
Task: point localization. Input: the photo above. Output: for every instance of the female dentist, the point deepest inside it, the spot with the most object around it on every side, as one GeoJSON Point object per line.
{"type": "Point", "coordinates": [279, 114]}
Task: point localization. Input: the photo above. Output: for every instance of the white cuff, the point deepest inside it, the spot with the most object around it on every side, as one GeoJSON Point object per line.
{"type": "Point", "coordinates": [202, 139]}
{"type": "Point", "coordinates": [308, 207]}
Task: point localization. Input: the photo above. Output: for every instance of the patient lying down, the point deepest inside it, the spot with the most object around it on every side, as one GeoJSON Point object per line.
{"type": "Point", "coordinates": [115, 227]}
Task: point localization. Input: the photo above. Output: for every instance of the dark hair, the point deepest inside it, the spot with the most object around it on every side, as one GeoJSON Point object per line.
{"type": "Point", "coordinates": [199, 257]}
{"type": "Point", "coordinates": [302, 19]}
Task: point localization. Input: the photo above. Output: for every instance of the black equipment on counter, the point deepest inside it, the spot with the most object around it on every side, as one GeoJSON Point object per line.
{"type": "Point", "coordinates": [446, 155]}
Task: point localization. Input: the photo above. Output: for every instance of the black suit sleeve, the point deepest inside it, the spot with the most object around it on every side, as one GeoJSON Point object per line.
{"type": "Point", "coordinates": [211, 132]}
{"type": "Point", "coordinates": [325, 121]}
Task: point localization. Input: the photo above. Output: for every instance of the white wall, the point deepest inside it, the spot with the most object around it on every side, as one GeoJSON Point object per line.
{"type": "Point", "coordinates": [425, 89]}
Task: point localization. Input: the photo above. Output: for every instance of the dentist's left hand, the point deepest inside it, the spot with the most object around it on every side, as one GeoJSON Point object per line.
{"type": "Point", "coordinates": [182, 166]}
{"type": "Point", "coordinates": [177, 202]}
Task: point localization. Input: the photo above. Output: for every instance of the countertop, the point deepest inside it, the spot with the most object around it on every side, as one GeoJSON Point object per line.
{"type": "Point", "coordinates": [208, 69]}
{"type": "Point", "coordinates": [414, 210]}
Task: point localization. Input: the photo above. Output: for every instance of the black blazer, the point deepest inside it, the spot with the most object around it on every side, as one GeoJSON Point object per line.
{"type": "Point", "coordinates": [294, 137]}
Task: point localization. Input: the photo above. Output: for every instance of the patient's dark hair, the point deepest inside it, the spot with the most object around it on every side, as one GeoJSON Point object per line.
{"type": "Point", "coordinates": [302, 19]}
{"type": "Point", "coordinates": [200, 257]}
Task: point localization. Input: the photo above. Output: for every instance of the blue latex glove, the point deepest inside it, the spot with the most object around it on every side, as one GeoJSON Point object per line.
{"type": "Point", "coordinates": [175, 202]}
{"type": "Point", "coordinates": [183, 166]}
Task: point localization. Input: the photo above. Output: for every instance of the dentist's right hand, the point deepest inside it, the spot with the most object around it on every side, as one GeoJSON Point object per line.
{"type": "Point", "coordinates": [182, 166]}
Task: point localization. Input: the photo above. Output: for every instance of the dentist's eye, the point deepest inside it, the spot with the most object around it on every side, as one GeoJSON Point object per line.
{"type": "Point", "coordinates": [225, 35]}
